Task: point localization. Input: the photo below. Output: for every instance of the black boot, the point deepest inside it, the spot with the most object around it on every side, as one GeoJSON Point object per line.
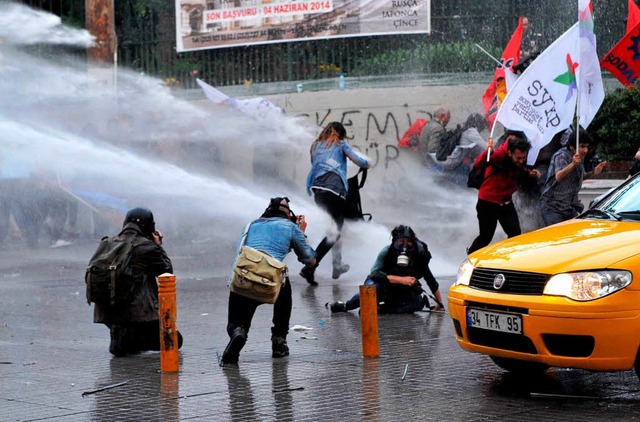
{"type": "Point", "coordinates": [308, 274]}
{"type": "Point", "coordinates": [279, 347]}
{"type": "Point", "coordinates": [118, 345]}
{"type": "Point", "coordinates": [236, 343]}
{"type": "Point", "coordinates": [337, 307]}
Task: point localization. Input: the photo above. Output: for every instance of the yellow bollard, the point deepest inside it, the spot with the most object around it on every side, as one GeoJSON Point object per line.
{"type": "Point", "coordinates": [168, 330]}
{"type": "Point", "coordinates": [369, 321]}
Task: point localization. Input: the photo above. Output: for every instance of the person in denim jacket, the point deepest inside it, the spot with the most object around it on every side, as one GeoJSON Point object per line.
{"type": "Point", "coordinates": [276, 232]}
{"type": "Point", "coordinates": [327, 180]}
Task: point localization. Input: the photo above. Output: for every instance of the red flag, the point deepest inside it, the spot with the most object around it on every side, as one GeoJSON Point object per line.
{"type": "Point", "coordinates": [633, 18]}
{"type": "Point", "coordinates": [623, 60]}
{"type": "Point", "coordinates": [497, 90]}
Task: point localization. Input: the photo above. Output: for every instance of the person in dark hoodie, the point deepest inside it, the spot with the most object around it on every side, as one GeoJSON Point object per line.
{"type": "Point", "coordinates": [134, 325]}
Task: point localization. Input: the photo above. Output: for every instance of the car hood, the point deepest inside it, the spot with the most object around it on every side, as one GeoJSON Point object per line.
{"type": "Point", "coordinates": [573, 245]}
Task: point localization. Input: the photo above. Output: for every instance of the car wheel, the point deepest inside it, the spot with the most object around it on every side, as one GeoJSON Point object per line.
{"type": "Point", "coordinates": [636, 365]}
{"type": "Point", "coordinates": [524, 367]}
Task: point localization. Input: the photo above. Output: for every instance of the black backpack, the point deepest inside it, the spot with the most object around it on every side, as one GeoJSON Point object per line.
{"type": "Point", "coordinates": [353, 208]}
{"type": "Point", "coordinates": [476, 177]}
{"type": "Point", "coordinates": [448, 142]}
{"type": "Point", "coordinates": [109, 275]}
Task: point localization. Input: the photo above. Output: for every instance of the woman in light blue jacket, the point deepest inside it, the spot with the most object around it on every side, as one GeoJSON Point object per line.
{"type": "Point", "coordinates": [327, 181]}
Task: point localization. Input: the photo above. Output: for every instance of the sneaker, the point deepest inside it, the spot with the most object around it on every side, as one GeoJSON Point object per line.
{"type": "Point", "coordinates": [337, 307]}
{"type": "Point", "coordinates": [309, 274]}
{"type": "Point", "coordinates": [279, 347]}
{"type": "Point", "coordinates": [231, 353]}
{"type": "Point", "coordinates": [339, 269]}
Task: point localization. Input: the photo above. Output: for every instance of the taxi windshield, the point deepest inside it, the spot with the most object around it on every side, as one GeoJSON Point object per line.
{"type": "Point", "coordinates": [623, 203]}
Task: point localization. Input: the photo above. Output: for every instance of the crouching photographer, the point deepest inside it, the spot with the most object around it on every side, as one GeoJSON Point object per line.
{"type": "Point", "coordinates": [396, 274]}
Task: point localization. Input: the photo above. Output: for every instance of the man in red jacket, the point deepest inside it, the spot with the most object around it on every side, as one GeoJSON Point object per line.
{"type": "Point", "coordinates": [506, 168]}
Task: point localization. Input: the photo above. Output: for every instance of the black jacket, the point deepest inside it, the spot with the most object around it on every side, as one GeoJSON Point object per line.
{"type": "Point", "coordinates": [148, 261]}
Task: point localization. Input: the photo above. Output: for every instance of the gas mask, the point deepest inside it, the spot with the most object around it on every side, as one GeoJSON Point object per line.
{"type": "Point", "coordinates": [403, 245]}
{"type": "Point", "coordinates": [403, 258]}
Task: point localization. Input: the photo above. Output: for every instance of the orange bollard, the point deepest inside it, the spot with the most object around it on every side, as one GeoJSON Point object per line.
{"type": "Point", "coordinates": [369, 321]}
{"type": "Point", "coordinates": [168, 331]}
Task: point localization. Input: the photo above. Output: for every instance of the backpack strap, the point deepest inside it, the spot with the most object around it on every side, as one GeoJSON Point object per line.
{"type": "Point", "coordinates": [364, 177]}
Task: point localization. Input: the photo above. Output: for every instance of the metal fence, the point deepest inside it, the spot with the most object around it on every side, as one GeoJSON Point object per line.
{"type": "Point", "coordinates": [146, 42]}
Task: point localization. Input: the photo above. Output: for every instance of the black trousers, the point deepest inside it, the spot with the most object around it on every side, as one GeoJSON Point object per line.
{"type": "Point", "coordinates": [335, 206]}
{"type": "Point", "coordinates": [489, 214]}
{"type": "Point", "coordinates": [242, 309]}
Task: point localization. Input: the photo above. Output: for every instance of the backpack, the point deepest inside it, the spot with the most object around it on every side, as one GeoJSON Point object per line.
{"type": "Point", "coordinates": [109, 275]}
{"type": "Point", "coordinates": [476, 177]}
{"type": "Point", "coordinates": [353, 207]}
{"type": "Point", "coordinates": [448, 142]}
{"type": "Point", "coordinates": [411, 137]}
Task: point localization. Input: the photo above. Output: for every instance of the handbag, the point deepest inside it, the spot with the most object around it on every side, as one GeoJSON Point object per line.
{"type": "Point", "coordinates": [256, 274]}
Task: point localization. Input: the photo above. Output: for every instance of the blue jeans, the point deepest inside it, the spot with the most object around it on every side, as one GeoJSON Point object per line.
{"type": "Point", "coordinates": [406, 302]}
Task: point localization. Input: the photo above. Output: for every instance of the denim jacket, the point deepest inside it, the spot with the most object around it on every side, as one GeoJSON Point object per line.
{"type": "Point", "coordinates": [334, 158]}
{"type": "Point", "coordinates": [277, 236]}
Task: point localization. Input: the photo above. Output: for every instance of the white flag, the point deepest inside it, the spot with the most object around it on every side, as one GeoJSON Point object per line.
{"type": "Point", "coordinates": [212, 93]}
{"type": "Point", "coordinates": [589, 76]}
{"type": "Point", "coordinates": [542, 101]}
{"type": "Point", "coordinates": [257, 107]}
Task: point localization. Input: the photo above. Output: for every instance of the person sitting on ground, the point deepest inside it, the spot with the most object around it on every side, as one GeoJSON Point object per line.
{"type": "Point", "coordinates": [276, 232]}
{"type": "Point", "coordinates": [135, 326]}
{"type": "Point", "coordinates": [396, 274]}
{"type": "Point", "coordinates": [433, 131]}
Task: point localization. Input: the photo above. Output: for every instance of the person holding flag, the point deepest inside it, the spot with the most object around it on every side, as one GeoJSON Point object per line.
{"type": "Point", "coordinates": [543, 100]}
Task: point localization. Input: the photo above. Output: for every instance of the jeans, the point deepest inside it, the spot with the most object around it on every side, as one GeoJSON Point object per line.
{"type": "Point", "coordinates": [489, 214]}
{"type": "Point", "coordinates": [398, 300]}
{"type": "Point", "coordinates": [242, 309]}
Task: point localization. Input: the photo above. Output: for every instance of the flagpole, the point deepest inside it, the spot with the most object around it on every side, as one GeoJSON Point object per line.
{"type": "Point", "coordinates": [489, 54]}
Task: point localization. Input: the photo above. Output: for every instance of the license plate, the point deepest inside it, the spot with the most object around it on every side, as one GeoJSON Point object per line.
{"type": "Point", "coordinates": [495, 321]}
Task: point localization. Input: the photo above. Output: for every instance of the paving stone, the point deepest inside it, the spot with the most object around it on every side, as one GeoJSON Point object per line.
{"type": "Point", "coordinates": [51, 353]}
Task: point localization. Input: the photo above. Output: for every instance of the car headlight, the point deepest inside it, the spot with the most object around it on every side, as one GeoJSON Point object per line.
{"type": "Point", "coordinates": [464, 273]}
{"type": "Point", "coordinates": [587, 285]}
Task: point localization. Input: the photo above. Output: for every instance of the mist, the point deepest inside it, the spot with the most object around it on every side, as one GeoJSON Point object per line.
{"type": "Point", "coordinates": [204, 172]}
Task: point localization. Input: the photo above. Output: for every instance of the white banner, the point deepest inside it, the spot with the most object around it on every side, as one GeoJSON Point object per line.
{"type": "Point", "coordinates": [202, 24]}
{"type": "Point", "coordinates": [542, 101]}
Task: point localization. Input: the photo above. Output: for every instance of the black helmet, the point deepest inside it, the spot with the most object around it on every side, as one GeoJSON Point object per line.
{"type": "Point", "coordinates": [143, 218]}
{"type": "Point", "coordinates": [402, 231]}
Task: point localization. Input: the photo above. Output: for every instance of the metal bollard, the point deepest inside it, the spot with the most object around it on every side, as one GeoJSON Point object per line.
{"type": "Point", "coordinates": [369, 321]}
{"type": "Point", "coordinates": [168, 331]}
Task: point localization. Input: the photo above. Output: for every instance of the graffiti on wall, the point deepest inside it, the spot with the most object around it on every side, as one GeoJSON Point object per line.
{"type": "Point", "coordinates": [375, 133]}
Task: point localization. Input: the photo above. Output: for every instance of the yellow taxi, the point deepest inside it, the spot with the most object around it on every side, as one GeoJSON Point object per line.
{"type": "Point", "coordinates": [564, 296]}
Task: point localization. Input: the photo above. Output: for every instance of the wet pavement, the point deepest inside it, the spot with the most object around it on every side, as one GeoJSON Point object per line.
{"type": "Point", "coordinates": [51, 353]}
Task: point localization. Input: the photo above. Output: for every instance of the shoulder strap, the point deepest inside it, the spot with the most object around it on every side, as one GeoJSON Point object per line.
{"type": "Point", "coordinates": [244, 234]}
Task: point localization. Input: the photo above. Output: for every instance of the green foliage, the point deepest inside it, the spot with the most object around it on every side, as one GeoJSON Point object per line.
{"type": "Point", "coordinates": [434, 58]}
{"type": "Point", "coordinates": [615, 127]}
